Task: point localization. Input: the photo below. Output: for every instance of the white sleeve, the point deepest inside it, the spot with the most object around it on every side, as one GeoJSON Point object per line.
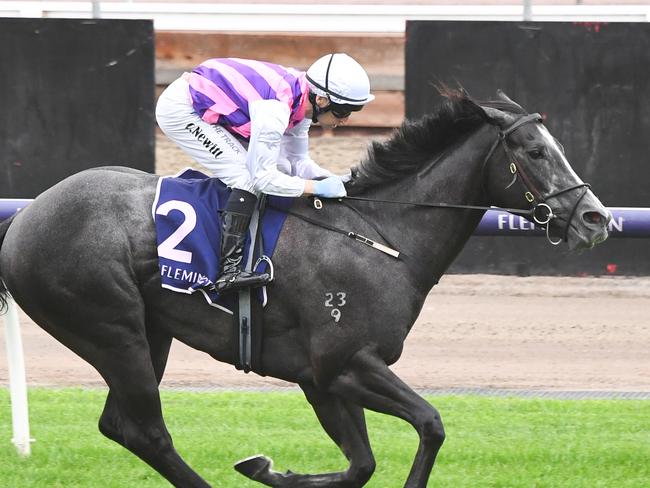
{"type": "Point", "coordinates": [269, 120]}
{"type": "Point", "coordinates": [295, 147]}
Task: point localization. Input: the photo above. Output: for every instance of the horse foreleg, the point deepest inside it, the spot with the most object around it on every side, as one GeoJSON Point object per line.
{"type": "Point", "coordinates": [369, 382]}
{"type": "Point", "coordinates": [346, 425]}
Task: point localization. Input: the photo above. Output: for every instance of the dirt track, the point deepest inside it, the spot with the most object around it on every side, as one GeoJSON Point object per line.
{"type": "Point", "coordinates": [474, 331]}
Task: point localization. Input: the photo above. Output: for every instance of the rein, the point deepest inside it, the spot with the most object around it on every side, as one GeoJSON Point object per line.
{"type": "Point", "coordinates": [529, 212]}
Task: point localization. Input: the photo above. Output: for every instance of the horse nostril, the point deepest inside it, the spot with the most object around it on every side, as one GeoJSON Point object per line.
{"type": "Point", "coordinates": [596, 218]}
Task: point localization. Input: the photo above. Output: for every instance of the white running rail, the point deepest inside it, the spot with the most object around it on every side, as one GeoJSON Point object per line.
{"type": "Point", "coordinates": [269, 17]}
{"type": "Point", "coordinates": [17, 381]}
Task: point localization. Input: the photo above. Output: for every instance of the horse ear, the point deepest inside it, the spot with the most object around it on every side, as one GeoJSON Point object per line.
{"type": "Point", "coordinates": [507, 99]}
{"type": "Point", "coordinates": [498, 117]}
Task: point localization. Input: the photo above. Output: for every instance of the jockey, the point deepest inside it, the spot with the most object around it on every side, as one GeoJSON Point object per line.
{"type": "Point", "coordinates": [248, 122]}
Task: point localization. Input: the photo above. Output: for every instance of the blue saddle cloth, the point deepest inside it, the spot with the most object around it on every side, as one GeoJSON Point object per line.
{"type": "Point", "coordinates": [188, 232]}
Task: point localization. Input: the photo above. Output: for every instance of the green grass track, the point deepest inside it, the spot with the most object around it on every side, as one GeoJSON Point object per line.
{"type": "Point", "coordinates": [491, 442]}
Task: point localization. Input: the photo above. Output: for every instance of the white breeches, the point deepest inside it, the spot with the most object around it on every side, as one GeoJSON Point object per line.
{"type": "Point", "coordinates": [212, 146]}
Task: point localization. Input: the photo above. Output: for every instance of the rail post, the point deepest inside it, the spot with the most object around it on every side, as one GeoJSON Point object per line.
{"type": "Point", "coordinates": [17, 381]}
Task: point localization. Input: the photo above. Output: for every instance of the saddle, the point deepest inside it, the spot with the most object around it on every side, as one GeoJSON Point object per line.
{"type": "Point", "coordinates": [188, 232]}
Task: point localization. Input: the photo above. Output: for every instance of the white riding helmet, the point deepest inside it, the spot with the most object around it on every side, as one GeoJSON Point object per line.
{"type": "Point", "coordinates": [341, 79]}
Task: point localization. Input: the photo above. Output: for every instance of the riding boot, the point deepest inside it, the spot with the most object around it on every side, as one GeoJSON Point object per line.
{"type": "Point", "coordinates": [236, 219]}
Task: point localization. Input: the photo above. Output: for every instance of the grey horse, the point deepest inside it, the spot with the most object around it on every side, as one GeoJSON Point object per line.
{"type": "Point", "coordinates": [81, 262]}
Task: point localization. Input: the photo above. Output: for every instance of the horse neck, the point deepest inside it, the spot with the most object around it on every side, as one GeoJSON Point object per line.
{"type": "Point", "coordinates": [431, 238]}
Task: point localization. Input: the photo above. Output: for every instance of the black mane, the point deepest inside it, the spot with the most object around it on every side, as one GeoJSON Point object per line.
{"type": "Point", "coordinates": [417, 142]}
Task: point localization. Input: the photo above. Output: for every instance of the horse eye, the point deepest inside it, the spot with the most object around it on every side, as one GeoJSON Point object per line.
{"type": "Point", "coordinates": [536, 153]}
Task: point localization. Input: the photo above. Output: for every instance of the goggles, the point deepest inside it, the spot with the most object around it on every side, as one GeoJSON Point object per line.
{"type": "Point", "coordinates": [343, 110]}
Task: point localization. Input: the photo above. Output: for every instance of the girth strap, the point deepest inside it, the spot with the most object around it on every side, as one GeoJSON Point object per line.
{"type": "Point", "coordinates": [249, 318]}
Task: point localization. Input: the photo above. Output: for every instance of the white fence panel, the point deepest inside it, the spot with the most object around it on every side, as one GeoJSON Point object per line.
{"type": "Point", "coordinates": [278, 17]}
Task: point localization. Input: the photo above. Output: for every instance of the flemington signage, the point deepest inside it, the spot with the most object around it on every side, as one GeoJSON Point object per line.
{"type": "Point", "coordinates": [626, 222]}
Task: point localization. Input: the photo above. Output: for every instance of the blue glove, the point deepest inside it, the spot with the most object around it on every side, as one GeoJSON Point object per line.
{"type": "Point", "coordinates": [345, 177]}
{"type": "Point", "coordinates": [331, 187]}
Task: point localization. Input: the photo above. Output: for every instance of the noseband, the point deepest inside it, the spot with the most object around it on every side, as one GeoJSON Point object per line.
{"type": "Point", "coordinates": [541, 211]}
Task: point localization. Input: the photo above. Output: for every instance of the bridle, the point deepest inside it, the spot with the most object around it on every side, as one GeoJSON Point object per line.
{"type": "Point", "coordinates": [541, 211]}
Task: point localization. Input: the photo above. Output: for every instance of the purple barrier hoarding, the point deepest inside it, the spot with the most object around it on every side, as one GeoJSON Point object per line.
{"type": "Point", "coordinates": [626, 221]}
{"type": "Point", "coordinates": [9, 206]}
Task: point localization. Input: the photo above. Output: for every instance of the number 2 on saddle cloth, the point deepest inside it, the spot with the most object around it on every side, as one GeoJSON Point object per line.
{"type": "Point", "coordinates": [186, 212]}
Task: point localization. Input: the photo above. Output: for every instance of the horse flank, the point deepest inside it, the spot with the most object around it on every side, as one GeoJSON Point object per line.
{"type": "Point", "coordinates": [417, 142]}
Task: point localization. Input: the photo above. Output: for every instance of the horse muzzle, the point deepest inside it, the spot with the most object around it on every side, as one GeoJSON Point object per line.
{"type": "Point", "coordinates": [589, 224]}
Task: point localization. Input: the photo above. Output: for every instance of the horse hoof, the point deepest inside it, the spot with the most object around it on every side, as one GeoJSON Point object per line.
{"type": "Point", "coordinates": [254, 467]}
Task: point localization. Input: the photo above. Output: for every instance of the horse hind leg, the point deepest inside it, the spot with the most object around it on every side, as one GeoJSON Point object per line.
{"type": "Point", "coordinates": [133, 416]}
{"type": "Point", "coordinates": [132, 364]}
{"type": "Point", "coordinates": [345, 424]}
{"type": "Point", "coordinates": [110, 421]}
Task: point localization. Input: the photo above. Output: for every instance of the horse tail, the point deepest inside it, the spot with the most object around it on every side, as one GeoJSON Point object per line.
{"type": "Point", "coordinates": [4, 292]}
